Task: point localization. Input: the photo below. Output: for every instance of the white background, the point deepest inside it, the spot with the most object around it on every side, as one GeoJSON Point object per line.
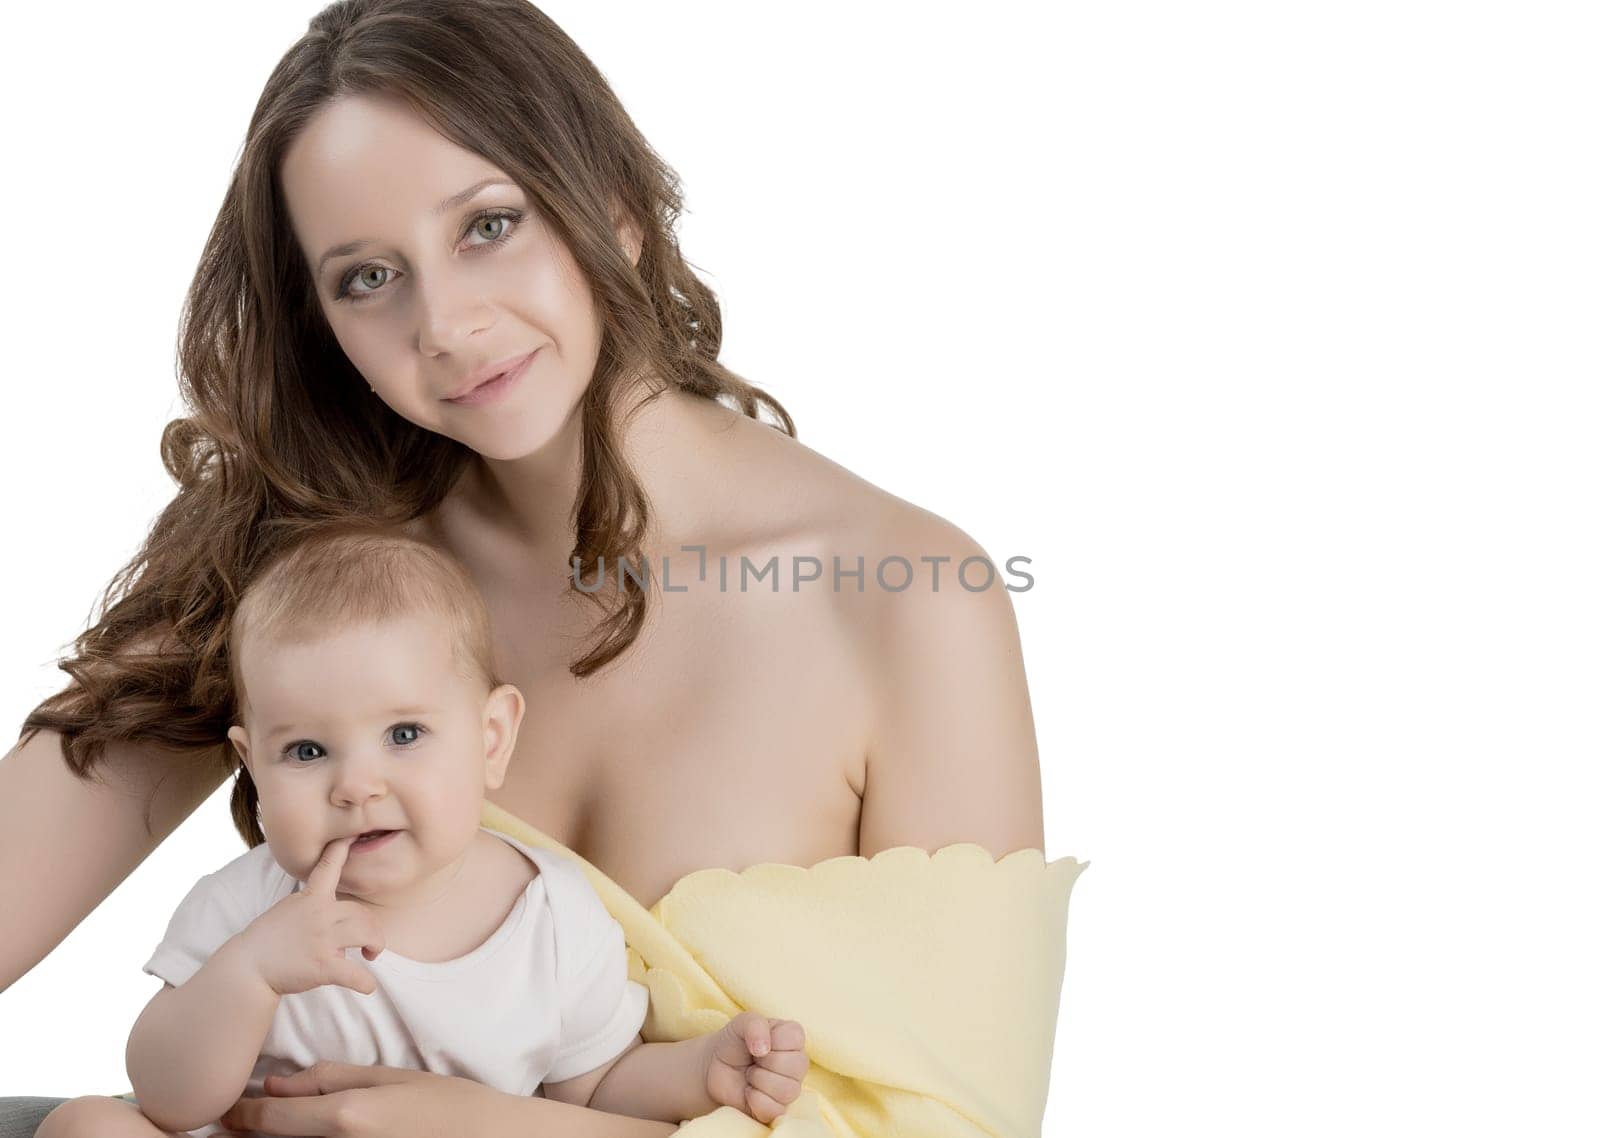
{"type": "Point", "coordinates": [1266, 330]}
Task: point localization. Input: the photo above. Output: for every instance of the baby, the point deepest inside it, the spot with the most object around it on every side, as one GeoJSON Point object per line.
{"type": "Point", "coordinates": [380, 924]}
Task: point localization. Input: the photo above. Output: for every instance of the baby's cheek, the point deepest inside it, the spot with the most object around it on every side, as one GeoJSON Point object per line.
{"type": "Point", "coordinates": [290, 852]}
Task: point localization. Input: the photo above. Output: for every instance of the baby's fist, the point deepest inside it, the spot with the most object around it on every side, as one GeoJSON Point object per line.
{"type": "Point", "coordinates": [756, 1064]}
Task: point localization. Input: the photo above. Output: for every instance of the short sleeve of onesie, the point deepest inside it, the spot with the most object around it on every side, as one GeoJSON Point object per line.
{"type": "Point", "coordinates": [218, 907]}
{"type": "Point", "coordinates": [601, 1009]}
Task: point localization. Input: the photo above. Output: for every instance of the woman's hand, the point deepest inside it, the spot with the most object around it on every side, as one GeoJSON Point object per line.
{"type": "Point", "coordinates": [340, 1100]}
{"type": "Point", "coordinates": [756, 1064]}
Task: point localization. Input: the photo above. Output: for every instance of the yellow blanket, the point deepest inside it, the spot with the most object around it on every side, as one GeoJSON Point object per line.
{"type": "Point", "coordinates": [928, 985]}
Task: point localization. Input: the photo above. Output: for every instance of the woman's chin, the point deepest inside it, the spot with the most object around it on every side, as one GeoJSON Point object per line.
{"type": "Point", "coordinates": [507, 450]}
{"type": "Point", "coordinates": [516, 437]}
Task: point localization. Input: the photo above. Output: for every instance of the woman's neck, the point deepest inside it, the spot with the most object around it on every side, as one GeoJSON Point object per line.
{"type": "Point", "coordinates": [531, 499]}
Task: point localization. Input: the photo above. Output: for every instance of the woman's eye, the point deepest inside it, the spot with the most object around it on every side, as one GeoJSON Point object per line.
{"type": "Point", "coordinates": [404, 733]}
{"type": "Point", "coordinates": [502, 221]}
{"type": "Point", "coordinates": [363, 277]}
{"type": "Point", "coordinates": [498, 233]}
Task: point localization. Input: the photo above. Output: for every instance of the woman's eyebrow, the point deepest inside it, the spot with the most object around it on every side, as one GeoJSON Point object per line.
{"type": "Point", "coordinates": [445, 206]}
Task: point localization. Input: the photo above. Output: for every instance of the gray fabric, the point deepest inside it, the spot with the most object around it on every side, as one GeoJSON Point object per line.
{"type": "Point", "coordinates": [20, 1117]}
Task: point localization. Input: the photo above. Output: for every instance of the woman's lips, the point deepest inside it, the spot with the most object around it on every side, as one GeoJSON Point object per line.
{"type": "Point", "coordinates": [494, 388]}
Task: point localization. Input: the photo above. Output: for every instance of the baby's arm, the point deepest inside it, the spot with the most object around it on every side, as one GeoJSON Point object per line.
{"type": "Point", "coordinates": [191, 1053]}
{"type": "Point", "coordinates": [193, 1048]}
{"type": "Point", "coordinates": [752, 1063]}
{"type": "Point", "coordinates": [662, 1081]}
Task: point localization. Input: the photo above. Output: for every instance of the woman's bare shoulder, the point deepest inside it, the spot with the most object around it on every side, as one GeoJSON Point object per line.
{"type": "Point", "coordinates": [926, 615]}
{"type": "Point", "coordinates": [915, 564]}
{"type": "Point", "coordinates": [787, 489]}
{"type": "Point", "coordinates": [902, 584]}
{"type": "Point", "coordinates": [869, 564]}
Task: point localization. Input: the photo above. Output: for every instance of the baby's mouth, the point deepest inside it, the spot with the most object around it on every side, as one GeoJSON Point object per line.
{"type": "Point", "coordinates": [372, 836]}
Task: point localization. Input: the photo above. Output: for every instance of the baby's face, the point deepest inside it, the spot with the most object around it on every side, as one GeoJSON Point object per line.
{"type": "Point", "coordinates": [372, 728]}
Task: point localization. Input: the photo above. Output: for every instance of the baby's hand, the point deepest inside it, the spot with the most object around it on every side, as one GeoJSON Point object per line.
{"type": "Point", "coordinates": [756, 1064]}
{"type": "Point", "coordinates": [299, 943]}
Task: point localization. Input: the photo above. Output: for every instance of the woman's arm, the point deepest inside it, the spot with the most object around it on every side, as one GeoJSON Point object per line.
{"type": "Point", "coordinates": [388, 1102]}
{"type": "Point", "coordinates": [952, 755]}
{"type": "Point", "coordinates": [91, 835]}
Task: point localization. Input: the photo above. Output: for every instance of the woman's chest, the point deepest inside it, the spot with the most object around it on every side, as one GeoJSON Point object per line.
{"type": "Point", "coordinates": [719, 739]}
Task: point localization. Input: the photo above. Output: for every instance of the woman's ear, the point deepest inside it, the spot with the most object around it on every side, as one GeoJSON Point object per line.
{"type": "Point", "coordinates": [502, 716]}
{"type": "Point", "coordinates": [627, 230]}
{"type": "Point", "coordinates": [241, 743]}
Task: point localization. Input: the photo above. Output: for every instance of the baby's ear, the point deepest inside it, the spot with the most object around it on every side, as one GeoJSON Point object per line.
{"type": "Point", "coordinates": [241, 743]}
{"type": "Point", "coordinates": [502, 716]}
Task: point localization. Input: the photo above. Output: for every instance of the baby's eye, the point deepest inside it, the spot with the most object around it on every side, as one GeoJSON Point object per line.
{"type": "Point", "coordinates": [295, 751]}
{"type": "Point", "coordinates": [404, 733]}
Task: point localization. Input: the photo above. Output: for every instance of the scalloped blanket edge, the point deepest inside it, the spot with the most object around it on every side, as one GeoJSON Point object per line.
{"type": "Point", "coordinates": [928, 984]}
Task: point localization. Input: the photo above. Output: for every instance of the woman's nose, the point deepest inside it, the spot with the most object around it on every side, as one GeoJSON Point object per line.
{"type": "Point", "coordinates": [450, 311]}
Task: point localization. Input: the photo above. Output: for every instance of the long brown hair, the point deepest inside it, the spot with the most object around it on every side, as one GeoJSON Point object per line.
{"type": "Point", "coordinates": [283, 434]}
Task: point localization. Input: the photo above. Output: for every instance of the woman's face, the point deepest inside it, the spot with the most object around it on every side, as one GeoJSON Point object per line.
{"type": "Point", "coordinates": [434, 271]}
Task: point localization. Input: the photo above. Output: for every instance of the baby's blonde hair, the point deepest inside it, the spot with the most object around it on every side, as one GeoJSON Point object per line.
{"type": "Point", "coordinates": [340, 576]}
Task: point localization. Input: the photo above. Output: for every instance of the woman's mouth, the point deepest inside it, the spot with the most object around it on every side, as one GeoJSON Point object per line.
{"type": "Point", "coordinates": [494, 388]}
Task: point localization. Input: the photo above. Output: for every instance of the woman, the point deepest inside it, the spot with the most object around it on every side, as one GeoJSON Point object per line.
{"type": "Point", "coordinates": [443, 290]}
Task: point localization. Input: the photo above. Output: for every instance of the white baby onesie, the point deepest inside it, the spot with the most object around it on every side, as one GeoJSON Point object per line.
{"type": "Point", "coordinates": [546, 997]}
